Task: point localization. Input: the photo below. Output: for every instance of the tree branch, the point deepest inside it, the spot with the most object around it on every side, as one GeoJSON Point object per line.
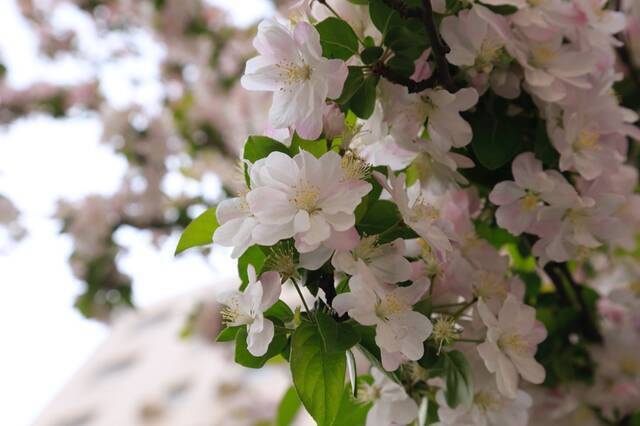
{"type": "Point", "coordinates": [439, 50]}
{"type": "Point", "coordinates": [570, 293]}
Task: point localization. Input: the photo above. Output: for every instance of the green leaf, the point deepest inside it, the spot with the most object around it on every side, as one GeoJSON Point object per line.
{"type": "Point", "coordinates": [383, 17]}
{"type": "Point", "coordinates": [199, 232]}
{"type": "Point", "coordinates": [543, 148]}
{"type": "Point", "coordinates": [244, 357]}
{"type": "Point", "coordinates": [337, 337]}
{"type": "Point", "coordinates": [402, 65]}
{"type": "Point", "coordinates": [317, 148]}
{"type": "Point", "coordinates": [228, 334]}
{"type": "Point", "coordinates": [380, 216]}
{"type": "Point", "coordinates": [318, 376]}
{"type": "Point", "coordinates": [288, 408]}
{"type": "Point", "coordinates": [363, 101]}
{"type": "Point", "coordinates": [362, 2]}
{"type": "Point", "coordinates": [337, 39]}
{"type": "Point", "coordinates": [280, 311]}
{"type": "Point", "coordinates": [252, 256]}
{"type": "Point", "coordinates": [458, 378]}
{"type": "Point", "coordinates": [257, 147]}
{"type": "Point", "coordinates": [371, 54]}
{"type": "Point", "coordinates": [502, 9]}
{"type": "Point", "coordinates": [496, 140]}
{"type": "Point", "coordinates": [350, 412]}
{"type": "Point", "coordinates": [353, 83]}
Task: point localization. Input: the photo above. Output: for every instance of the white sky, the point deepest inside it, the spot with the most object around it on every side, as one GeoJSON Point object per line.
{"type": "Point", "coordinates": [44, 340]}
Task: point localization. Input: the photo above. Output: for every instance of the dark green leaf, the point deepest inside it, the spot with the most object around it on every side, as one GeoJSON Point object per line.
{"type": "Point", "coordinates": [337, 39]}
{"type": "Point", "coordinates": [244, 357]}
{"type": "Point", "coordinates": [459, 389]}
{"type": "Point", "coordinates": [288, 408]}
{"type": "Point", "coordinates": [402, 65]}
{"type": "Point", "coordinates": [228, 334]}
{"type": "Point", "coordinates": [258, 147]}
{"type": "Point", "coordinates": [317, 148]}
{"type": "Point", "coordinates": [252, 256]}
{"type": "Point", "coordinates": [364, 2]}
{"type": "Point", "coordinates": [383, 17]}
{"type": "Point", "coordinates": [279, 310]}
{"type": "Point", "coordinates": [363, 101]}
{"type": "Point", "coordinates": [496, 140]}
{"type": "Point", "coordinates": [318, 376]}
{"type": "Point", "coordinates": [336, 337]}
{"type": "Point", "coordinates": [380, 216]}
{"type": "Point", "coordinates": [543, 148]}
{"type": "Point", "coordinates": [353, 83]}
{"type": "Point", "coordinates": [371, 54]}
{"type": "Point", "coordinates": [350, 412]}
{"type": "Point", "coordinates": [199, 232]}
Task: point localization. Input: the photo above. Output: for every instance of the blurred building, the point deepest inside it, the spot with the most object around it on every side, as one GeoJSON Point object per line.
{"type": "Point", "coordinates": [145, 373]}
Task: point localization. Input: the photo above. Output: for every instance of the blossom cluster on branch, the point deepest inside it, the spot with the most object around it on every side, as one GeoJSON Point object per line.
{"type": "Point", "coordinates": [444, 184]}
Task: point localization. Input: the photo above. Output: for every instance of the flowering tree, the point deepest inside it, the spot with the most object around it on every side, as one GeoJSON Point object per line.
{"type": "Point", "coordinates": [450, 187]}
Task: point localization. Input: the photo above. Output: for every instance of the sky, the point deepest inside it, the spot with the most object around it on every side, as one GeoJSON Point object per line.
{"type": "Point", "coordinates": [44, 339]}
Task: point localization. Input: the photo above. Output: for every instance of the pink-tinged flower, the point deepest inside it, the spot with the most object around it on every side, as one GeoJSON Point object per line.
{"type": "Point", "coordinates": [488, 407]}
{"type": "Point", "coordinates": [406, 113]}
{"type": "Point", "coordinates": [419, 215]}
{"type": "Point", "coordinates": [386, 261]}
{"type": "Point", "coordinates": [247, 308]}
{"type": "Point", "coordinates": [583, 148]}
{"type": "Point", "coordinates": [375, 142]}
{"type": "Point", "coordinates": [304, 197]}
{"type": "Point", "coordinates": [292, 67]}
{"type": "Point", "coordinates": [400, 331]}
{"type": "Point", "coordinates": [237, 224]}
{"type": "Point", "coordinates": [520, 200]}
{"type": "Point", "coordinates": [391, 404]}
{"type": "Point", "coordinates": [551, 67]}
{"type": "Point", "coordinates": [477, 38]}
{"type": "Point", "coordinates": [510, 345]}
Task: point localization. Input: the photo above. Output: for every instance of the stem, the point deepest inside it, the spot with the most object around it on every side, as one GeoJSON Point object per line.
{"type": "Point", "coordinates": [470, 340]}
{"type": "Point", "coordinates": [439, 50]}
{"type": "Point", "coordinates": [448, 305]}
{"type": "Point", "coordinates": [304, 302]}
{"type": "Point", "coordinates": [466, 306]}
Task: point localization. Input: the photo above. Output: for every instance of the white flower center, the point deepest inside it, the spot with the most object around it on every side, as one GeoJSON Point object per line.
{"type": "Point", "coordinates": [530, 201]}
{"type": "Point", "coordinates": [586, 140]}
{"type": "Point", "coordinates": [367, 248]}
{"type": "Point", "coordinates": [233, 316]}
{"type": "Point", "coordinates": [542, 55]}
{"type": "Point", "coordinates": [630, 366]}
{"type": "Point", "coordinates": [486, 401]}
{"type": "Point", "coordinates": [306, 197]}
{"type": "Point", "coordinates": [421, 210]}
{"type": "Point", "coordinates": [513, 342]}
{"type": "Point", "coordinates": [389, 306]}
{"type": "Point", "coordinates": [369, 393]}
{"type": "Point", "coordinates": [354, 168]}
{"type": "Point", "coordinates": [292, 74]}
{"type": "Point", "coordinates": [491, 285]}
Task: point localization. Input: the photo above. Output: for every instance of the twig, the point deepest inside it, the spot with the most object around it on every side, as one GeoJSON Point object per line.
{"type": "Point", "coordinates": [439, 50]}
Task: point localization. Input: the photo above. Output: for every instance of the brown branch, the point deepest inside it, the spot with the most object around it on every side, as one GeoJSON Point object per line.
{"type": "Point", "coordinates": [439, 49]}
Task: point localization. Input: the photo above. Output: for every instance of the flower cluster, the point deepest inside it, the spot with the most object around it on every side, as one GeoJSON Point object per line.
{"type": "Point", "coordinates": [437, 192]}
